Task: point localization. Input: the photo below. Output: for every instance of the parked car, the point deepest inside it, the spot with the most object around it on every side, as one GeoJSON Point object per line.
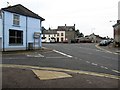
{"type": "Point", "coordinates": [52, 41]}
{"type": "Point", "coordinates": [104, 43]}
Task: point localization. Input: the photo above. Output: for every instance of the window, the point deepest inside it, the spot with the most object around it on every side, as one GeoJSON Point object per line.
{"type": "Point", "coordinates": [61, 39]}
{"type": "Point", "coordinates": [57, 34]}
{"type": "Point", "coordinates": [16, 20]}
{"type": "Point", "coordinates": [15, 37]}
{"type": "Point", "coordinates": [61, 34]}
{"type": "Point", "coordinates": [57, 39]}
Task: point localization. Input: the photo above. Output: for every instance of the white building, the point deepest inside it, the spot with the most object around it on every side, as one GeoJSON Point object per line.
{"type": "Point", "coordinates": [61, 36]}
{"type": "Point", "coordinates": [49, 36]}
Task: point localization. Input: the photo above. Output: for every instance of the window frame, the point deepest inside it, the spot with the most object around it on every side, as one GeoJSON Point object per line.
{"type": "Point", "coordinates": [62, 34]}
{"type": "Point", "coordinates": [15, 37]}
{"type": "Point", "coordinates": [57, 34]}
{"type": "Point", "coordinates": [16, 20]}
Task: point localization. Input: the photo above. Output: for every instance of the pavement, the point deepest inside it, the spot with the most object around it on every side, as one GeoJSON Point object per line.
{"type": "Point", "coordinates": [20, 76]}
{"type": "Point", "coordinates": [110, 48]}
{"type": "Point", "coordinates": [27, 78]}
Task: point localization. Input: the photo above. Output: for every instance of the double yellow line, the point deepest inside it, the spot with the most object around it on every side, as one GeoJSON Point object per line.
{"type": "Point", "coordinates": [61, 70]}
{"type": "Point", "coordinates": [97, 46]}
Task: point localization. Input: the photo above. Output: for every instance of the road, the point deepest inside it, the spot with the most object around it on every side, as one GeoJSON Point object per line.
{"type": "Point", "coordinates": [85, 57]}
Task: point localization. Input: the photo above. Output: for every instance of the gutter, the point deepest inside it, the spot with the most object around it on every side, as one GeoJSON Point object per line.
{"type": "Point", "coordinates": [40, 43]}
{"type": "Point", "coordinates": [3, 31]}
{"type": "Point", "coordinates": [26, 32]}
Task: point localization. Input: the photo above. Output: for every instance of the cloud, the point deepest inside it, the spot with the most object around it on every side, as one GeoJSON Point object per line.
{"type": "Point", "coordinates": [86, 14]}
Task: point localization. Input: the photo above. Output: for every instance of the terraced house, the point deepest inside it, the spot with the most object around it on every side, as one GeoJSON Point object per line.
{"type": "Point", "coordinates": [61, 34]}
{"type": "Point", "coordinates": [19, 28]}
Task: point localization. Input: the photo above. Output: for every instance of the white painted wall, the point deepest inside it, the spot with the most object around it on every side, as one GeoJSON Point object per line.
{"type": "Point", "coordinates": [61, 36]}
{"type": "Point", "coordinates": [49, 36]}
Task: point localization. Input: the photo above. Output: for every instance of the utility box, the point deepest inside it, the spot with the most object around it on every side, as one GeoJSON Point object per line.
{"type": "Point", "coordinates": [30, 46]}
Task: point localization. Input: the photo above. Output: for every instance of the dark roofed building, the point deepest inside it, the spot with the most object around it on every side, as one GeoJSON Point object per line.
{"type": "Point", "coordinates": [66, 28]}
{"type": "Point", "coordinates": [20, 9]}
{"type": "Point", "coordinates": [20, 27]}
{"type": "Point", "coordinates": [53, 31]}
{"type": "Point", "coordinates": [117, 33]}
{"type": "Point", "coordinates": [69, 32]}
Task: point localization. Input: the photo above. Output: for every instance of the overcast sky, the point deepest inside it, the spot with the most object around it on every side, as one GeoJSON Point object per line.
{"type": "Point", "coordinates": [88, 15]}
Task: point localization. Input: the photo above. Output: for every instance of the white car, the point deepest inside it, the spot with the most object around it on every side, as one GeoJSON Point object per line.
{"type": "Point", "coordinates": [103, 43]}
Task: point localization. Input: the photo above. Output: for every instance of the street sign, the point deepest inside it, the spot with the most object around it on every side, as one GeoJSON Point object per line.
{"type": "Point", "coordinates": [37, 35]}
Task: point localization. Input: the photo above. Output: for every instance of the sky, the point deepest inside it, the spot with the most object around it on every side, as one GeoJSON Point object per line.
{"type": "Point", "coordinates": [89, 16]}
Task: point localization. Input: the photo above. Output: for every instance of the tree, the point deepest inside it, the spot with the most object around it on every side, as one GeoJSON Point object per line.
{"type": "Point", "coordinates": [78, 34]}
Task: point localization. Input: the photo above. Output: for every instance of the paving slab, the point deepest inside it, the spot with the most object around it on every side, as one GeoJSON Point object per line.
{"type": "Point", "coordinates": [48, 75]}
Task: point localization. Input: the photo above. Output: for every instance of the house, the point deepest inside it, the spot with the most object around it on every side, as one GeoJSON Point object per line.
{"type": "Point", "coordinates": [68, 32]}
{"type": "Point", "coordinates": [21, 28]}
{"type": "Point", "coordinates": [117, 33]}
{"type": "Point", "coordinates": [61, 36]}
{"type": "Point", "coordinates": [94, 38]}
{"type": "Point", "coordinates": [64, 34]}
{"type": "Point", "coordinates": [53, 35]}
{"type": "Point", "coordinates": [49, 35]}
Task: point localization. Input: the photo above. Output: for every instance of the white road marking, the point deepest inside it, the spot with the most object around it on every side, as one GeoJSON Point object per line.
{"type": "Point", "coordinates": [94, 64]}
{"type": "Point", "coordinates": [63, 53]}
{"type": "Point", "coordinates": [39, 55]}
{"type": "Point", "coordinates": [116, 71]}
{"type": "Point", "coordinates": [87, 62]}
{"type": "Point", "coordinates": [56, 57]}
{"type": "Point", "coordinates": [103, 67]}
{"type": "Point", "coordinates": [110, 58]}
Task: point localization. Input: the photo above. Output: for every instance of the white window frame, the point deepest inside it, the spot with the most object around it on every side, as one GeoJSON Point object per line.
{"type": "Point", "coordinates": [16, 19]}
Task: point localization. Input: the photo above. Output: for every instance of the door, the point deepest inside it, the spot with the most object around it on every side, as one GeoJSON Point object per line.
{"type": "Point", "coordinates": [57, 39]}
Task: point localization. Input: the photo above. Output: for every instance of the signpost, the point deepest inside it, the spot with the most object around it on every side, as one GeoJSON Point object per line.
{"type": "Point", "coordinates": [37, 37]}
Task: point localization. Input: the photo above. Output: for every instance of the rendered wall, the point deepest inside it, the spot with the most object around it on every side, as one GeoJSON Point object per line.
{"type": "Point", "coordinates": [26, 23]}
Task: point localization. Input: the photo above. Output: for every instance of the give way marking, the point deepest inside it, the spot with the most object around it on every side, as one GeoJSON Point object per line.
{"type": "Point", "coordinates": [63, 53]}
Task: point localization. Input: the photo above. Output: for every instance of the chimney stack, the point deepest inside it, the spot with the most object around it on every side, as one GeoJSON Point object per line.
{"type": "Point", "coordinates": [118, 21]}
{"type": "Point", "coordinates": [74, 25]}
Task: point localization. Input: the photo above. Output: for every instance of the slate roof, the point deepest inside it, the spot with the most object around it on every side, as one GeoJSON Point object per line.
{"type": "Point", "coordinates": [66, 28]}
{"type": "Point", "coordinates": [53, 31]}
{"type": "Point", "coordinates": [118, 23]}
{"type": "Point", "coordinates": [20, 9]}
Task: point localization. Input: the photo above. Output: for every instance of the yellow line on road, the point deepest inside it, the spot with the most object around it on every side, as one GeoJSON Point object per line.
{"type": "Point", "coordinates": [61, 70]}
{"type": "Point", "coordinates": [116, 71]}
{"type": "Point", "coordinates": [97, 46]}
